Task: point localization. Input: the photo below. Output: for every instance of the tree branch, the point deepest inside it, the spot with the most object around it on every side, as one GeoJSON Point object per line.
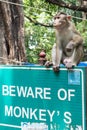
{"type": "Point", "coordinates": [38, 23]}
{"type": "Point", "coordinates": [67, 5]}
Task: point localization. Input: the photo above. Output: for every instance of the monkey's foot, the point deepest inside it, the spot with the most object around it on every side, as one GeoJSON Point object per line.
{"type": "Point", "coordinates": [56, 68]}
{"type": "Point", "coordinates": [69, 64]}
{"type": "Point", "coordinates": [48, 64]}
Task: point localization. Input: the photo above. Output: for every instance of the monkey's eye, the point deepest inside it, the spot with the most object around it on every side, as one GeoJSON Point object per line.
{"type": "Point", "coordinates": [58, 17]}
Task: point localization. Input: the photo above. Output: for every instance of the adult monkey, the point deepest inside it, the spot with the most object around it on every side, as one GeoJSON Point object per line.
{"type": "Point", "coordinates": [69, 43]}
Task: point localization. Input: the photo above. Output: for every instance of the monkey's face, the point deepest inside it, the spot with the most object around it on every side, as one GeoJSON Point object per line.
{"type": "Point", "coordinates": [60, 21]}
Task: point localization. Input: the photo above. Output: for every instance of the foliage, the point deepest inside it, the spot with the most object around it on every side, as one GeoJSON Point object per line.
{"type": "Point", "coordinates": [82, 27]}
{"type": "Point", "coordinates": [39, 37]}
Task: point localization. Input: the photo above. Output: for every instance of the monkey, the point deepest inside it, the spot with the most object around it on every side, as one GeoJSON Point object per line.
{"type": "Point", "coordinates": [68, 48]}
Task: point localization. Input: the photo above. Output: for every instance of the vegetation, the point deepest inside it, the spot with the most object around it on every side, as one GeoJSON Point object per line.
{"type": "Point", "coordinates": [32, 20]}
{"type": "Point", "coordinates": [39, 33]}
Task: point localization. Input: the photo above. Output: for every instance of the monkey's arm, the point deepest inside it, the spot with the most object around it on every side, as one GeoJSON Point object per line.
{"type": "Point", "coordinates": [56, 55]}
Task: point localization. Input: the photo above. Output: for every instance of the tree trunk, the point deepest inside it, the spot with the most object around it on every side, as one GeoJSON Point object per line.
{"type": "Point", "coordinates": [84, 4]}
{"type": "Point", "coordinates": [11, 32]}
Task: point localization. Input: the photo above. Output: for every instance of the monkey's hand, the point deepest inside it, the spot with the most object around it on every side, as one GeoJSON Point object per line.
{"type": "Point", "coordinates": [55, 68]}
{"type": "Point", "coordinates": [70, 46]}
{"type": "Point", "coordinates": [48, 64]}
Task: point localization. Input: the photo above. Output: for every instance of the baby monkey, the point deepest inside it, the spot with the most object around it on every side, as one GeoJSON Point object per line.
{"type": "Point", "coordinates": [68, 48]}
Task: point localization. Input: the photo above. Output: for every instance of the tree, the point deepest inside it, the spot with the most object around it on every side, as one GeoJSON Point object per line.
{"type": "Point", "coordinates": [11, 31]}
{"type": "Point", "coordinates": [69, 5]}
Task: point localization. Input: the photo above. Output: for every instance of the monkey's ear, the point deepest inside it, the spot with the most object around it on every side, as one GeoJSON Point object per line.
{"type": "Point", "coordinates": [69, 17]}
